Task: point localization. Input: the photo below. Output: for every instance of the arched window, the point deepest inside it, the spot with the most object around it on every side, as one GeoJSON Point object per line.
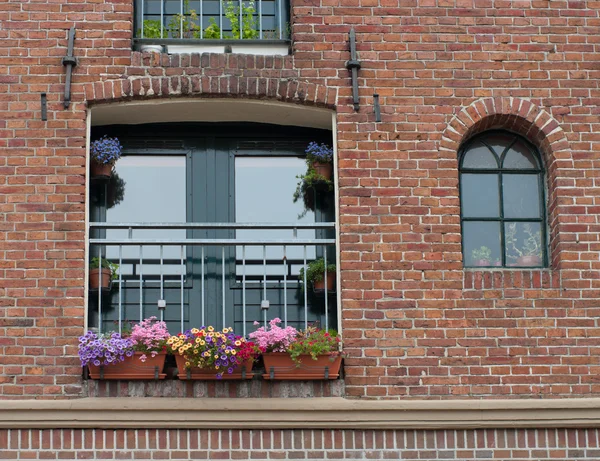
{"type": "Point", "coordinates": [503, 212]}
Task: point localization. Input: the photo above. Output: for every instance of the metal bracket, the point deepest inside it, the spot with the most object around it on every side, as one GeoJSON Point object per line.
{"type": "Point", "coordinates": [69, 61]}
{"type": "Point", "coordinates": [376, 107]}
{"type": "Point", "coordinates": [244, 373]}
{"type": "Point", "coordinates": [353, 65]}
{"type": "Point", "coordinates": [272, 373]}
{"type": "Point", "coordinates": [101, 371]}
{"type": "Point", "coordinates": [156, 373]}
{"type": "Point", "coordinates": [326, 372]}
{"type": "Point", "coordinates": [188, 373]}
{"type": "Point", "coordinates": [44, 106]}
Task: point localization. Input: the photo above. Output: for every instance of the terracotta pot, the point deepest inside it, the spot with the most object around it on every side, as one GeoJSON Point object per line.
{"type": "Point", "coordinates": [100, 170]}
{"type": "Point", "coordinates": [94, 279]}
{"type": "Point", "coordinates": [324, 169]}
{"type": "Point", "coordinates": [132, 368]}
{"type": "Point", "coordinates": [283, 367]}
{"type": "Point", "coordinates": [206, 374]}
{"type": "Point", "coordinates": [482, 262]}
{"type": "Point", "coordinates": [527, 261]}
{"type": "Point", "coordinates": [330, 279]}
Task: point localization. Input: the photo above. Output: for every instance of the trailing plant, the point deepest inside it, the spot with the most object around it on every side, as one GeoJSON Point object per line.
{"type": "Point", "coordinates": [106, 264]}
{"type": "Point", "coordinates": [115, 190]}
{"type": "Point", "coordinates": [481, 253]}
{"type": "Point", "coordinates": [315, 271]}
{"type": "Point", "coordinates": [106, 150]}
{"type": "Point", "coordinates": [106, 349]}
{"type": "Point", "coordinates": [273, 338]}
{"type": "Point", "coordinates": [306, 185]}
{"type": "Point", "coordinates": [314, 342]}
{"type": "Point", "coordinates": [152, 29]}
{"type": "Point", "coordinates": [222, 351]}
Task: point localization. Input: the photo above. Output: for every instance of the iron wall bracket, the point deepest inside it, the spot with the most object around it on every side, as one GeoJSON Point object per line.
{"type": "Point", "coordinates": [69, 61]}
{"type": "Point", "coordinates": [353, 65]}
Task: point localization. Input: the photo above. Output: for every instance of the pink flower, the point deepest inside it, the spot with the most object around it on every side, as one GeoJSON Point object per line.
{"type": "Point", "coordinates": [149, 335]}
{"type": "Point", "coordinates": [274, 338]}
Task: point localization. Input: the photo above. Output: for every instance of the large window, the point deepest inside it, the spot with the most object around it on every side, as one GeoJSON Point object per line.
{"type": "Point", "coordinates": [502, 202]}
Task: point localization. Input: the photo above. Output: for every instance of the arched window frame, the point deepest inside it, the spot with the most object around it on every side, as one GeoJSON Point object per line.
{"type": "Point", "coordinates": [498, 172]}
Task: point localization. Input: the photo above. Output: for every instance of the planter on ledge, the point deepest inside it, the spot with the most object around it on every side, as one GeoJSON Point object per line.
{"type": "Point", "coordinates": [132, 368]}
{"type": "Point", "coordinates": [96, 282]}
{"type": "Point", "coordinates": [279, 365]}
{"type": "Point", "coordinates": [244, 371]}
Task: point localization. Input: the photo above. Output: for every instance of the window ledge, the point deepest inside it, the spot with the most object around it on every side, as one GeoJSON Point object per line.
{"type": "Point", "coordinates": [178, 46]}
{"type": "Point", "coordinates": [335, 412]}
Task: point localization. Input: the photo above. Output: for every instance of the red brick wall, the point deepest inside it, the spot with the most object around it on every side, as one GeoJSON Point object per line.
{"type": "Point", "coordinates": [69, 444]}
{"type": "Point", "coordinates": [416, 325]}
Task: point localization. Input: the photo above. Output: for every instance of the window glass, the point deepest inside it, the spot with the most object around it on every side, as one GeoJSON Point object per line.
{"type": "Point", "coordinates": [480, 195]}
{"type": "Point", "coordinates": [482, 243]}
{"type": "Point", "coordinates": [151, 188]}
{"type": "Point", "coordinates": [264, 187]}
{"type": "Point", "coordinates": [521, 195]}
{"type": "Point", "coordinates": [479, 156]}
{"type": "Point", "coordinates": [519, 156]}
{"type": "Point", "coordinates": [523, 244]}
{"type": "Point", "coordinates": [498, 141]}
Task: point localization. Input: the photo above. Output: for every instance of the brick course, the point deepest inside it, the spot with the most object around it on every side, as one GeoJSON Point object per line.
{"type": "Point", "coordinates": [416, 325]}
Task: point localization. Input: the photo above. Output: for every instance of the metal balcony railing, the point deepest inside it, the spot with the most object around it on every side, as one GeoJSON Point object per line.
{"type": "Point", "coordinates": [220, 274]}
{"type": "Point", "coordinates": [203, 21]}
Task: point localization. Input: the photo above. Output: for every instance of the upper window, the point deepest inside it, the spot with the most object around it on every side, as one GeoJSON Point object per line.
{"type": "Point", "coordinates": [502, 202]}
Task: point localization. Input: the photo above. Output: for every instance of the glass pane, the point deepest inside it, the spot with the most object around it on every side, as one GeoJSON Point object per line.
{"type": "Point", "coordinates": [520, 156]}
{"type": "Point", "coordinates": [523, 244]}
{"type": "Point", "coordinates": [479, 195]}
{"type": "Point", "coordinates": [521, 195]}
{"type": "Point", "coordinates": [498, 141]}
{"type": "Point", "coordinates": [481, 244]}
{"type": "Point", "coordinates": [264, 189]}
{"type": "Point", "coordinates": [479, 156]}
{"type": "Point", "coordinates": [150, 188]}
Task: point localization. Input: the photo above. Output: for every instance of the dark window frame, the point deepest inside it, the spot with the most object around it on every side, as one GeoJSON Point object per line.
{"type": "Point", "coordinates": [498, 172]}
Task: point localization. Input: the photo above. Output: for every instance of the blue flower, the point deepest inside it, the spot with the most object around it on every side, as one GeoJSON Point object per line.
{"type": "Point", "coordinates": [106, 150]}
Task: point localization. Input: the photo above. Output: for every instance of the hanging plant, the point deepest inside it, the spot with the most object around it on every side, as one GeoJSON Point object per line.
{"type": "Point", "coordinates": [319, 167]}
{"type": "Point", "coordinates": [104, 153]}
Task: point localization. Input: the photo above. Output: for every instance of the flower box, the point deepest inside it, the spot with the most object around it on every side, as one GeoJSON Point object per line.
{"type": "Point", "coordinates": [132, 368]}
{"type": "Point", "coordinates": [279, 365]}
{"type": "Point", "coordinates": [244, 371]}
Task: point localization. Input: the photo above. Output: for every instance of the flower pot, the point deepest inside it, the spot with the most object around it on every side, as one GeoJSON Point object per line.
{"type": "Point", "coordinates": [328, 279]}
{"type": "Point", "coordinates": [243, 371]}
{"type": "Point", "coordinates": [100, 170]}
{"type": "Point", "coordinates": [527, 261]}
{"type": "Point", "coordinates": [279, 365]}
{"type": "Point", "coordinates": [324, 169]}
{"type": "Point", "coordinates": [132, 368]}
{"type": "Point", "coordinates": [482, 262]}
{"type": "Point", "coordinates": [95, 281]}
{"type": "Point", "coordinates": [151, 48]}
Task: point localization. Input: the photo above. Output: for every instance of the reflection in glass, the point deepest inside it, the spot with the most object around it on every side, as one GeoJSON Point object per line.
{"type": "Point", "coordinates": [519, 156]}
{"type": "Point", "coordinates": [264, 187]}
{"type": "Point", "coordinates": [154, 192]}
{"type": "Point", "coordinates": [523, 244]}
{"type": "Point", "coordinates": [479, 194]}
{"type": "Point", "coordinates": [482, 243]}
{"type": "Point", "coordinates": [521, 195]}
{"type": "Point", "coordinates": [479, 156]}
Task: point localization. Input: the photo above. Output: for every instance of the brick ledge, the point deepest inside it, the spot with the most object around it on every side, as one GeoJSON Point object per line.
{"type": "Point", "coordinates": [282, 413]}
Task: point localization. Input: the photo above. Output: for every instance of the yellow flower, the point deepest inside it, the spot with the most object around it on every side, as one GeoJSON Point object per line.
{"type": "Point", "coordinates": [182, 336]}
{"type": "Point", "coordinates": [238, 343]}
{"type": "Point", "coordinates": [202, 342]}
{"type": "Point", "coordinates": [233, 352]}
{"type": "Point", "coordinates": [211, 329]}
{"type": "Point", "coordinates": [181, 350]}
{"type": "Point", "coordinates": [227, 351]}
{"type": "Point", "coordinates": [216, 356]}
{"type": "Point", "coordinates": [195, 330]}
{"type": "Point", "coordinates": [196, 351]}
{"type": "Point", "coordinates": [187, 364]}
{"type": "Point", "coordinates": [198, 340]}
{"type": "Point", "coordinates": [217, 367]}
{"type": "Point", "coordinates": [206, 354]}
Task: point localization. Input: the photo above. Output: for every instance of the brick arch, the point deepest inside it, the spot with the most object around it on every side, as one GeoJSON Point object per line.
{"type": "Point", "coordinates": [278, 89]}
{"type": "Point", "coordinates": [533, 123]}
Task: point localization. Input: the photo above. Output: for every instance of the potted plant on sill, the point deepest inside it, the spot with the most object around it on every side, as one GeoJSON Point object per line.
{"type": "Point", "coordinates": [104, 153]}
{"type": "Point", "coordinates": [315, 275]}
{"type": "Point", "coordinates": [530, 253]}
{"type": "Point", "coordinates": [481, 256]}
{"type": "Point", "coordinates": [139, 355]}
{"type": "Point", "coordinates": [298, 355]}
{"type": "Point", "coordinates": [102, 277]}
{"type": "Point", "coordinates": [152, 29]}
{"type": "Point", "coordinates": [208, 354]}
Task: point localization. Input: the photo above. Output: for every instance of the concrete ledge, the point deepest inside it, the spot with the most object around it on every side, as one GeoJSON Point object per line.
{"type": "Point", "coordinates": [326, 413]}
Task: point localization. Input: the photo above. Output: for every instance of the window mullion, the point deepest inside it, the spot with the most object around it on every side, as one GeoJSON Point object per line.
{"type": "Point", "coordinates": [502, 241]}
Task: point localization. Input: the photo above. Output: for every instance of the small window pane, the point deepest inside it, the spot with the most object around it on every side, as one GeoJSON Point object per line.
{"type": "Point", "coordinates": [521, 195]}
{"type": "Point", "coordinates": [479, 194]}
{"type": "Point", "coordinates": [479, 156]}
{"type": "Point", "coordinates": [523, 244]}
{"type": "Point", "coordinates": [498, 141]}
{"type": "Point", "coordinates": [482, 244]}
{"type": "Point", "coordinates": [520, 157]}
